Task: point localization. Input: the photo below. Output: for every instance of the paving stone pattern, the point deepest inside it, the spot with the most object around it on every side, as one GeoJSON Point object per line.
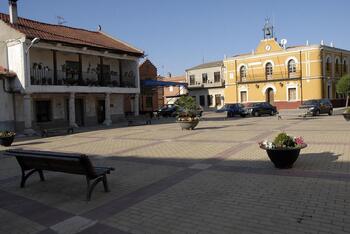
{"type": "Point", "coordinates": [214, 179]}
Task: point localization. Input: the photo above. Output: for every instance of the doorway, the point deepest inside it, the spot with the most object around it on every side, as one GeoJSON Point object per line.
{"type": "Point", "coordinates": [79, 112]}
{"type": "Point", "coordinates": [101, 111]}
{"type": "Point", "coordinates": [270, 96]}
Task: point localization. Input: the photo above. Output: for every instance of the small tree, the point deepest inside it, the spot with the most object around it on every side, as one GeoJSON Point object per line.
{"type": "Point", "coordinates": [188, 105]}
{"type": "Point", "coordinates": [343, 87]}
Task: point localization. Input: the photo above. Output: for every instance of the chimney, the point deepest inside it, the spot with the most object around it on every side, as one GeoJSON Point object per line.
{"type": "Point", "coordinates": [13, 11]}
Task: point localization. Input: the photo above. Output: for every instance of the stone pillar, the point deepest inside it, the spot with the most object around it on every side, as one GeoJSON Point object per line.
{"type": "Point", "coordinates": [108, 120]}
{"type": "Point", "coordinates": [136, 105]}
{"type": "Point", "coordinates": [72, 122]}
{"type": "Point", "coordinates": [27, 109]}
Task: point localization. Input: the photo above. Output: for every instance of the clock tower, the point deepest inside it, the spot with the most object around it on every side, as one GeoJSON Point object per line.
{"type": "Point", "coordinates": [268, 29]}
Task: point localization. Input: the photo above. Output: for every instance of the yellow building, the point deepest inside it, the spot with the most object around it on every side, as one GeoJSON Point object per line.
{"type": "Point", "coordinates": [285, 76]}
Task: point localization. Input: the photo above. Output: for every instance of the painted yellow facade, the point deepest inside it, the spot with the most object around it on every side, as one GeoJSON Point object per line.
{"type": "Point", "coordinates": [285, 76]}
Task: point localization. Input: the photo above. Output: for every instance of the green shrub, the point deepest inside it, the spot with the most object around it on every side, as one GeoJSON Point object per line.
{"type": "Point", "coordinates": [283, 140]}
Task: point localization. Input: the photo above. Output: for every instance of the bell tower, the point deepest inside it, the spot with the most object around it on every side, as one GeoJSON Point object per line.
{"type": "Point", "coordinates": [268, 29]}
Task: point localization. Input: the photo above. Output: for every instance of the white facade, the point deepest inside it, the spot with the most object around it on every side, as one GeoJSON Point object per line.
{"type": "Point", "coordinates": [42, 81]}
{"type": "Point", "coordinates": [208, 92]}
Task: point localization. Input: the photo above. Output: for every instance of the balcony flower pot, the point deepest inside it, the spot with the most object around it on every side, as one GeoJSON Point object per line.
{"type": "Point", "coordinates": [6, 138]}
{"type": "Point", "coordinates": [284, 150]}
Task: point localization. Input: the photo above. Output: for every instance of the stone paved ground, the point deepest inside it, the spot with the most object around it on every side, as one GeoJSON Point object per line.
{"type": "Point", "coordinates": [214, 179]}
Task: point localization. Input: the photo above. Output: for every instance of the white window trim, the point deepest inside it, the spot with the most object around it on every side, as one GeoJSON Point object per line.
{"type": "Point", "coordinates": [269, 86]}
{"type": "Point", "coordinates": [289, 58]}
{"type": "Point", "coordinates": [243, 89]}
{"type": "Point", "coordinates": [291, 86]}
{"type": "Point", "coordinates": [231, 75]}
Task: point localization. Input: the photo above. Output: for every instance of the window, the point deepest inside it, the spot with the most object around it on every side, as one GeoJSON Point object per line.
{"type": "Point", "coordinates": [202, 100]}
{"type": "Point", "coordinates": [292, 94]}
{"type": "Point", "coordinates": [217, 77]}
{"type": "Point", "coordinates": [291, 67]}
{"type": "Point", "coordinates": [43, 111]}
{"type": "Point", "coordinates": [192, 80]}
{"type": "Point", "coordinates": [72, 70]}
{"type": "Point", "coordinates": [204, 78]}
{"type": "Point", "coordinates": [243, 72]}
{"type": "Point", "coordinates": [210, 100]}
{"type": "Point", "coordinates": [217, 100]}
{"type": "Point", "coordinates": [171, 88]}
{"type": "Point", "coordinates": [268, 70]}
{"type": "Point", "coordinates": [149, 102]}
{"type": "Point", "coordinates": [328, 64]}
{"type": "Point", "coordinates": [243, 96]}
{"type": "Point", "coordinates": [345, 67]}
{"type": "Point", "coordinates": [337, 66]}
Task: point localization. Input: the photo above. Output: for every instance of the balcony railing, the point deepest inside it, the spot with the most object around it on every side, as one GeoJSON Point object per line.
{"type": "Point", "coordinates": [263, 77]}
{"type": "Point", "coordinates": [47, 77]}
{"type": "Point", "coordinates": [215, 84]}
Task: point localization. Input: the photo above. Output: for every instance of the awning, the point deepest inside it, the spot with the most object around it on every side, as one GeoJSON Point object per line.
{"type": "Point", "coordinates": [159, 83]}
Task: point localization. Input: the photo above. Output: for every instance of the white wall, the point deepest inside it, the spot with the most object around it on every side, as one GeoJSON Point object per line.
{"type": "Point", "coordinates": [16, 63]}
{"type": "Point", "coordinates": [118, 104]}
{"type": "Point", "coordinates": [198, 74]}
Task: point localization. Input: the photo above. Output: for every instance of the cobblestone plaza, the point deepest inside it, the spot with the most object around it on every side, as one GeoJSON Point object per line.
{"type": "Point", "coordinates": [214, 179]}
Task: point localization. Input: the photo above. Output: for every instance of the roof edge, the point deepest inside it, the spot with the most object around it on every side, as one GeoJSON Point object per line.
{"type": "Point", "coordinates": [121, 41]}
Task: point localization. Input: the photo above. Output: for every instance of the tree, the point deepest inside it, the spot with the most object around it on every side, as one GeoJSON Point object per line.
{"type": "Point", "coordinates": [343, 87]}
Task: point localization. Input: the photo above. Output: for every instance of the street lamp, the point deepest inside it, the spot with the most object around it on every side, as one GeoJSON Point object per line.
{"type": "Point", "coordinates": [34, 41]}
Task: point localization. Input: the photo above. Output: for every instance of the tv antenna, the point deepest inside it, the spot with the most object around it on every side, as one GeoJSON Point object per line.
{"type": "Point", "coordinates": [61, 20]}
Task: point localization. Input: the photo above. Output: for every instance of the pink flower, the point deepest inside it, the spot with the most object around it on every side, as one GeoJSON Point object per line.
{"type": "Point", "coordinates": [299, 140]}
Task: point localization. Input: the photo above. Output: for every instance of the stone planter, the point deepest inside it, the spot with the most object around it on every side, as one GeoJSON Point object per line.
{"type": "Point", "coordinates": [346, 116]}
{"type": "Point", "coordinates": [188, 124]}
{"type": "Point", "coordinates": [283, 158]}
{"type": "Point", "coordinates": [6, 141]}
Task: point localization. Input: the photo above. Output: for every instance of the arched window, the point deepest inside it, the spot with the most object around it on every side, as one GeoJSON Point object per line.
{"type": "Point", "coordinates": [268, 70]}
{"type": "Point", "coordinates": [243, 72]}
{"type": "Point", "coordinates": [337, 67]}
{"type": "Point", "coordinates": [345, 67]}
{"type": "Point", "coordinates": [328, 64]}
{"type": "Point", "coordinates": [292, 68]}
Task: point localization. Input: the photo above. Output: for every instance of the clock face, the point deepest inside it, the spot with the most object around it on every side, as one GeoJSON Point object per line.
{"type": "Point", "coordinates": [267, 47]}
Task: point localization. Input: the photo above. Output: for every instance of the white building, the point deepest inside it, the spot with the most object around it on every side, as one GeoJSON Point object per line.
{"type": "Point", "coordinates": [206, 84]}
{"type": "Point", "coordinates": [65, 75]}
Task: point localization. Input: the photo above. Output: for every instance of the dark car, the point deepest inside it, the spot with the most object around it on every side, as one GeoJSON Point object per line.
{"type": "Point", "coordinates": [317, 106]}
{"type": "Point", "coordinates": [262, 108]}
{"type": "Point", "coordinates": [168, 111]}
{"type": "Point", "coordinates": [236, 109]}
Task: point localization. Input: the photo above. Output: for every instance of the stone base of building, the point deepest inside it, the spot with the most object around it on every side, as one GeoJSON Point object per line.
{"type": "Point", "coordinates": [287, 105]}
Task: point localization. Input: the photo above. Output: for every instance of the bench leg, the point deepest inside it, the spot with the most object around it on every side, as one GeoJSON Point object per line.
{"type": "Point", "coordinates": [90, 187]}
{"type": "Point", "coordinates": [105, 183]}
{"type": "Point", "coordinates": [26, 176]}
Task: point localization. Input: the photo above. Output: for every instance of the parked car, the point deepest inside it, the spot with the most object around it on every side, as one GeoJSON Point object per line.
{"type": "Point", "coordinates": [168, 111]}
{"type": "Point", "coordinates": [261, 108]}
{"type": "Point", "coordinates": [236, 109]}
{"type": "Point", "coordinates": [317, 106]}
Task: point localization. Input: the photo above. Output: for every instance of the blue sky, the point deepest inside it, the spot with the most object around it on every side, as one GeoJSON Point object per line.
{"type": "Point", "coordinates": [179, 34]}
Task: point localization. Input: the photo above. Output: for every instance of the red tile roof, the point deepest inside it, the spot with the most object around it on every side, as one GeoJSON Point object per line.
{"type": "Point", "coordinates": [6, 73]}
{"type": "Point", "coordinates": [74, 36]}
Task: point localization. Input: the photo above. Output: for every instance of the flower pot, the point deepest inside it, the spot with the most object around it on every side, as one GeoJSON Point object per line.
{"type": "Point", "coordinates": [283, 158]}
{"type": "Point", "coordinates": [6, 141]}
{"type": "Point", "coordinates": [188, 124]}
{"type": "Point", "coordinates": [346, 116]}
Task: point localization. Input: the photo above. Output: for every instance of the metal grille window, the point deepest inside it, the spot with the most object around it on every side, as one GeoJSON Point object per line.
{"type": "Point", "coordinates": [210, 100]}
{"type": "Point", "coordinates": [337, 66]}
{"type": "Point", "coordinates": [243, 72]}
{"type": "Point", "coordinates": [43, 111]}
{"type": "Point", "coordinates": [328, 64]}
{"type": "Point", "coordinates": [205, 78]}
{"type": "Point", "coordinates": [216, 77]}
{"type": "Point", "coordinates": [149, 102]}
{"type": "Point", "coordinates": [345, 67]}
{"type": "Point", "coordinates": [192, 80]}
{"type": "Point", "coordinates": [292, 94]}
{"type": "Point", "coordinates": [292, 68]}
{"type": "Point", "coordinates": [268, 70]}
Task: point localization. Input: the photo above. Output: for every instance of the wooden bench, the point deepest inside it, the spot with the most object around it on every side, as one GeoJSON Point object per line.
{"type": "Point", "coordinates": [44, 131]}
{"type": "Point", "coordinates": [32, 161]}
